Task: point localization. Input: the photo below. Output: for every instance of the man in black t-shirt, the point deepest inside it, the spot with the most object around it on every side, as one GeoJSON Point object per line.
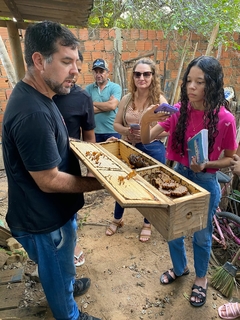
{"type": "Point", "coordinates": [45, 186]}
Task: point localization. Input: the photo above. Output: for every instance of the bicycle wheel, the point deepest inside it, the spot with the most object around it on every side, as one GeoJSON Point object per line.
{"type": "Point", "coordinates": [222, 252]}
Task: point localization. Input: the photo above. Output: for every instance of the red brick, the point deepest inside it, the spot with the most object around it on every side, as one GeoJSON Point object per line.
{"type": "Point", "coordinates": [80, 79]}
{"type": "Point", "coordinates": [134, 54]}
{"type": "Point", "coordinates": [174, 74]}
{"type": "Point", "coordinates": [75, 31]}
{"type": "Point", "coordinates": [124, 46]}
{"type": "Point", "coordinates": [125, 56]}
{"type": "Point", "coordinates": [140, 45]}
{"type": "Point", "coordinates": [4, 33]}
{"type": "Point", "coordinates": [143, 34]}
{"type": "Point", "coordinates": [4, 83]}
{"type": "Point", "coordinates": [8, 93]}
{"type": "Point", "coordinates": [131, 45]}
{"type": "Point", "coordinates": [126, 34]}
{"type": "Point", "coordinates": [161, 67]}
{"type": "Point", "coordinates": [3, 105]}
{"type": "Point", "coordinates": [112, 33]}
{"type": "Point", "coordinates": [109, 56]}
{"type": "Point", "coordinates": [148, 46]}
{"type": "Point", "coordinates": [159, 34]}
{"type": "Point", "coordinates": [99, 45]}
{"type": "Point", "coordinates": [160, 55]}
{"type": "Point", "coordinates": [163, 44]}
{"type": "Point", "coordinates": [3, 72]}
{"type": "Point", "coordinates": [87, 56]}
{"type": "Point", "coordinates": [84, 68]}
{"type": "Point", "coordinates": [104, 34]}
{"type": "Point", "coordinates": [83, 34]}
{"type": "Point", "coordinates": [151, 34]}
{"type": "Point", "coordinates": [2, 95]}
{"type": "Point", "coordinates": [226, 63]}
{"type": "Point", "coordinates": [134, 34]}
{"type": "Point", "coordinates": [108, 45]}
{"type": "Point", "coordinates": [89, 46]}
{"type": "Point", "coordinates": [88, 78]}
{"type": "Point", "coordinates": [97, 55]}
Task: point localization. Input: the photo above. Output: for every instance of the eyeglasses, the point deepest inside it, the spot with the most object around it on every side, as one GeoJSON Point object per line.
{"type": "Point", "coordinates": [146, 74]}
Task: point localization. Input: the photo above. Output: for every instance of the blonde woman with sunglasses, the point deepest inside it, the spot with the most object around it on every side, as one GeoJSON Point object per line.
{"type": "Point", "coordinates": [144, 91]}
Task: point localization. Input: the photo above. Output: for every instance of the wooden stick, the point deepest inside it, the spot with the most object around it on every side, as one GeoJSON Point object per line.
{"type": "Point", "coordinates": [194, 52]}
{"type": "Point", "coordinates": [179, 70]}
{"type": "Point", "coordinates": [139, 57]}
{"type": "Point", "coordinates": [212, 39]}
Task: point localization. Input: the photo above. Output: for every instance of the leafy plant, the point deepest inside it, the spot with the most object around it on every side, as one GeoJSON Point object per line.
{"type": "Point", "coordinates": [182, 15]}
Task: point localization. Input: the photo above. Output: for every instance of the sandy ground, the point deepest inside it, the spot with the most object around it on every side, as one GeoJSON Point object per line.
{"type": "Point", "coordinates": [125, 272]}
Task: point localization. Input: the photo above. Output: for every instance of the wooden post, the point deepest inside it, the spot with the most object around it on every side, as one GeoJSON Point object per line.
{"type": "Point", "coordinates": [155, 53]}
{"type": "Point", "coordinates": [212, 39]}
{"type": "Point", "coordinates": [16, 49]}
{"type": "Point", "coordinates": [7, 64]}
{"type": "Point", "coordinates": [179, 71]}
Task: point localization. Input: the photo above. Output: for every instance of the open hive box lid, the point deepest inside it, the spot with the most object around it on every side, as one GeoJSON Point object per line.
{"type": "Point", "coordinates": [114, 174]}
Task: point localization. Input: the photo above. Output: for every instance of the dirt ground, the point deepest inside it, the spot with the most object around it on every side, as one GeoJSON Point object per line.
{"type": "Point", "coordinates": [124, 272]}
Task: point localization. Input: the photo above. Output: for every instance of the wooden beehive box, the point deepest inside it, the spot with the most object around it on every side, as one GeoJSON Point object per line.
{"type": "Point", "coordinates": [172, 217]}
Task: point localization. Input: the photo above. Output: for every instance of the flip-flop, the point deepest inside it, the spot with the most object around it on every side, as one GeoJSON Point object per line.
{"type": "Point", "coordinates": [81, 262]}
{"type": "Point", "coordinates": [230, 308]}
{"type": "Point", "coordinates": [198, 295]}
{"type": "Point", "coordinates": [170, 278]}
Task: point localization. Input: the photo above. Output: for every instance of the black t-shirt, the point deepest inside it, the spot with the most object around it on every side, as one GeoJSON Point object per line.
{"type": "Point", "coordinates": [77, 111]}
{"type": "Point", "coordinates": [34, 138]}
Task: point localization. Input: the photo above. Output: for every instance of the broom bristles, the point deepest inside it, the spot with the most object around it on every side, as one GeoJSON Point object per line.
{"type": "Point", "coordinates": [223, 281]}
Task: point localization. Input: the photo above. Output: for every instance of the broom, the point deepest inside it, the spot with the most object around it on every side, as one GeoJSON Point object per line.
{"type": "Point", "coordinates": [224, 277]}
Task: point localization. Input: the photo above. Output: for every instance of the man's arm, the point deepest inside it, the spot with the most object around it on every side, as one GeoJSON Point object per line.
{"type": "Point", "coordinates": [55, 181]}
{"type": "Point", "coordinates": [88, 136]}
{"type": "Point", "coordinates": [109, 105]}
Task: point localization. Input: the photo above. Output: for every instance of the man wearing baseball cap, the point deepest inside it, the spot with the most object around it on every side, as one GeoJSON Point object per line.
{"type": "Point", "coordinates": [106, 96]}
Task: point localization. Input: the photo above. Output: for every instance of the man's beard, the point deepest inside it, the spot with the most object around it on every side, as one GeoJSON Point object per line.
{"type": "Point", "coordinates": [57, 87]}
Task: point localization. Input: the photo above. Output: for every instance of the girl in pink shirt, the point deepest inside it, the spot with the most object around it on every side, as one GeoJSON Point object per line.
{"type": "Point", "coordinates": [202, 105]}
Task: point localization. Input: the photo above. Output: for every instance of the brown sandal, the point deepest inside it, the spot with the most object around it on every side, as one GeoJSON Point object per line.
{"type": "Point", "coordinates": [118, 224]}
{"type": "Point", "coordinates": [145, 233]}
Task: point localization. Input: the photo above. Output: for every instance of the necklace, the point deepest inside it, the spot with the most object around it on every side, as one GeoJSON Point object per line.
{"type": "Point", "coordinates": [193, 126]}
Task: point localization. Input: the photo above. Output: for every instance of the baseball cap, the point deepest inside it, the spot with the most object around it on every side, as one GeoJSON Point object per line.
{"type": "Point", "coordinates": [100, 63]}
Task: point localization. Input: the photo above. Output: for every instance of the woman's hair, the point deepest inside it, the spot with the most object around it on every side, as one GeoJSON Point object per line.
{"type": "Point", "coordinates": [213, 100]}
{"type": "Point", "coordinates": [154, 89]}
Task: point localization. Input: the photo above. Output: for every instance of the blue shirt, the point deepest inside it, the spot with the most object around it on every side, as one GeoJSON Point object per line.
{"type": "Point", "coordinates": [104, 120]}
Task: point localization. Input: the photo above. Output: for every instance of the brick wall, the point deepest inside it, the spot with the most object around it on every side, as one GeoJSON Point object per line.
{"type": "Point", "coordinates": [129, 44]}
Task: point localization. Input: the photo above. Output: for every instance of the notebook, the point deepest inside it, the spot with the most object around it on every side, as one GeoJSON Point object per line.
{"type": "Point", "coordinates": [198, 146]}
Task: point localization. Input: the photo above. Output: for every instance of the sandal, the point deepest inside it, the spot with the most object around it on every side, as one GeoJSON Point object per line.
{"type": "Point", "coordinates": [118, 224]}
{"type": "Point", "coordinates": [232, 311]}
{"type": "Point", "coordinates": [198, 295]}
{"type": "Point", "coordinates": [145, 233]}
{"type": "Point", "coordinates": [170, 278]}
{"type": "Point", "coordinates": [79, 260]}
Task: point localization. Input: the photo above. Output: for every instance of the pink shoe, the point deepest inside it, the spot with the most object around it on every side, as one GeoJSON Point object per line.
{"type": "Point", "coordinates": [232, 311]}
{"type": "Point", "coordinates": [79, 260]}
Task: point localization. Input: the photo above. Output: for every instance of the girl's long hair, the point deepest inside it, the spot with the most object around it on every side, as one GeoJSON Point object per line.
{"type": "Point", "coordinates": [154, 89]}
{"type": "Point", "coordinates": [214, 98]}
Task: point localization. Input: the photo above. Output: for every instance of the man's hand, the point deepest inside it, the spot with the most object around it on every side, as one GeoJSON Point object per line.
{"type": "Point", "coordinates": [112, 139]}
{"type": "Point", "coordinates": [235, 164]}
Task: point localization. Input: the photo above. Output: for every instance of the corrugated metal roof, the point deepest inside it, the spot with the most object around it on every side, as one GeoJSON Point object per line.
{"type": "Point", "coordinates": [70, 12]}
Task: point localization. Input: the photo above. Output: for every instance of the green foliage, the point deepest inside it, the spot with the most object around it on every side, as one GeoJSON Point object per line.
{"type": "Point", "coordinates": [192, 15]}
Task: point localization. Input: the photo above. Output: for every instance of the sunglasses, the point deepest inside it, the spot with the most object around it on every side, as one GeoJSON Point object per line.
{"type": "Point", "coordinates": [146, 74]}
